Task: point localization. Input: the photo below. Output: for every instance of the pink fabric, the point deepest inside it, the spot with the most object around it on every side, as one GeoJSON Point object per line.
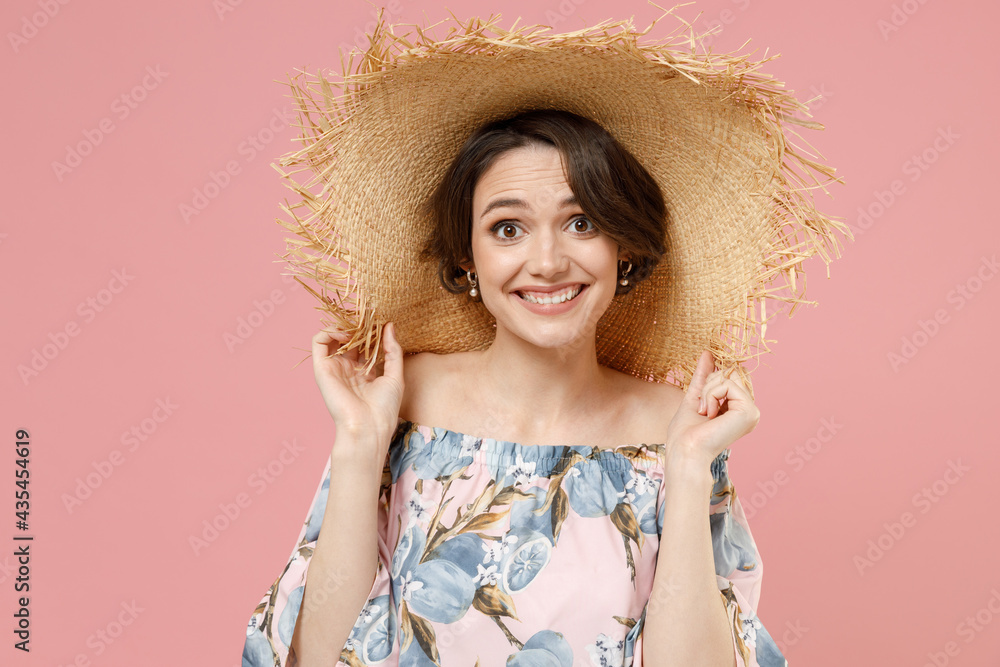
{"type": "Point", "coordinates": [489, 582]}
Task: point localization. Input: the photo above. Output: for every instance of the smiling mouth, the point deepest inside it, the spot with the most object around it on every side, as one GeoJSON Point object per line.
{"type": "Point", "coordinates": [562, 296]}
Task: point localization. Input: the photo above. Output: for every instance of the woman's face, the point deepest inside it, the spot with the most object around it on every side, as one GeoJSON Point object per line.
{"type": "Point", "coordinates": [528, 241]}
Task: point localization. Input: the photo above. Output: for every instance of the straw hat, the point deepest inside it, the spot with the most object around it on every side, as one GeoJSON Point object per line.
{"type": "Point", "coordinates": [711, 129]}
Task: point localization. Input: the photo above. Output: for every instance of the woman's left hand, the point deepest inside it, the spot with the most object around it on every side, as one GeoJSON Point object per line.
{"type": "Point", "coordinates": [716, 411]}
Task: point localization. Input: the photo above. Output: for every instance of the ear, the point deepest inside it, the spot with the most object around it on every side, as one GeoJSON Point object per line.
{"type": "Point", "coordinates": [467, 266]}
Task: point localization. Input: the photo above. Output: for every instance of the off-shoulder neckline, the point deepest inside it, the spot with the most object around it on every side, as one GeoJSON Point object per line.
{"type": "Point", "coordinates": [512, 443]}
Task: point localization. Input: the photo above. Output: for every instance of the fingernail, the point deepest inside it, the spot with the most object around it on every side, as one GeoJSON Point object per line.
{"type": "Point", "coordinates": [701, 404]}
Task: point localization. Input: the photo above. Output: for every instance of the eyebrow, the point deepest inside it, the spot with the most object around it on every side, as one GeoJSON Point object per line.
{"type": "Point", "coordinates": [520, 203]}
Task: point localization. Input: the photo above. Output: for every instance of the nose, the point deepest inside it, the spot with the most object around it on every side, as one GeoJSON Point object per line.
{"type": "Point", "coordinates": [548, 254]}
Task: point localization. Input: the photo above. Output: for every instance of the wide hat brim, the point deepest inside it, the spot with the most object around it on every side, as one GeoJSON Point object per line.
{"type": "Point", "coordinates": [711, 129]}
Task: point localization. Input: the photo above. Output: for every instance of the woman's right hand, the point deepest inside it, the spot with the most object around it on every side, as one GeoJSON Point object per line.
{"type": "Point", "coordinates": [363, 405]}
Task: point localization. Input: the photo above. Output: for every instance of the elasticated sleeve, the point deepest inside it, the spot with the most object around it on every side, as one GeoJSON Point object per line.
{"type": "Point", "coordinates": [738, 571]}
{"type": "Point", "coordinates": [269, 632]}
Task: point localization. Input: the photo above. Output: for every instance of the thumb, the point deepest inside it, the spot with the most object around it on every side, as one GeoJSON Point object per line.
{"type": "Point", "coordinates": [705, 364]}
{"type": "Point", "coordinates": [393, 354]}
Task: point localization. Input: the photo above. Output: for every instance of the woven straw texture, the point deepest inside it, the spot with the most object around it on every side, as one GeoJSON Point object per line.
{"type": "Point", "coordinates": [711, 128]}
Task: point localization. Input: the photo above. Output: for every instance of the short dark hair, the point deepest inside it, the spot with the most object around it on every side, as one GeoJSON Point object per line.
{"type": "Point", "coordinates": [614, 190]}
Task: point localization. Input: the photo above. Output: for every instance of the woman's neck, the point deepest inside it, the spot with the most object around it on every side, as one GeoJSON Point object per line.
{"type": "Point", "coordinates": [540, 389]}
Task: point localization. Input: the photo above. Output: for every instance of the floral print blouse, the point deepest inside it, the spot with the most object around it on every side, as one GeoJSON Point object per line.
{"type": "Point", "coordinates": [496, 553]}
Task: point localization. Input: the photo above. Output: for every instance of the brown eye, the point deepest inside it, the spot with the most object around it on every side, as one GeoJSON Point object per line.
{"type": "Point", "coordinates": [508, 233]}
{"type": "Point", "coordinates": [588, 225]}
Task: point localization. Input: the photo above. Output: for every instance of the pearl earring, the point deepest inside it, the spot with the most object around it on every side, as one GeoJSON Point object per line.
{"type": "Point", "coordinates": [472, 281]}
{"type": "Point", "coordinates": [624, 280]}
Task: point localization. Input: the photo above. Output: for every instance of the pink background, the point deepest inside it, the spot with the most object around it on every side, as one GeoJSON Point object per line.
{"type": "Point", "coordinates": [815, 506]}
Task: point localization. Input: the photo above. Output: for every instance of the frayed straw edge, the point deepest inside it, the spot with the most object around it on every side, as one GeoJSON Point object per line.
{"type": "Point", "coordinates": [768, 101]}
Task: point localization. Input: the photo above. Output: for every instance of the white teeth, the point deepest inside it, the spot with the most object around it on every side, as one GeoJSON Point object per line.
{"type": "Point", "coordinates": [560, 298]}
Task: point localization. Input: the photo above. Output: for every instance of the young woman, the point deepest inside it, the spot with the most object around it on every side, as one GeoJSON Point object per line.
{"type": "Point", "coordinates": [570, 232]}
{"type": "Point", "coordinates": [524, 504]}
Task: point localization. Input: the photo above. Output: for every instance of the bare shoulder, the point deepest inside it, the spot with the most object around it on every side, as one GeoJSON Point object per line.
{"type": "Point", "coordinates": [650, 405]}
{"type": "Point", "coordinates": [425, 375]}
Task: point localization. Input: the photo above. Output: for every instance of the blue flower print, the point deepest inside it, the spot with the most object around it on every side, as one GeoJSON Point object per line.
{"type": "Point", "coordinates": [403, 453]}
{"type": "Point", "coordinates": [414, 656]}
{"type": "Point", "coordinates": [418, 508]}
{"type": "Point", "coordinates": [438, 590]}
{"type": "Point", "coordinates": [767, 652]}
{"type": "Point", "coordinates": [374, 632]}
{"type": "Point", "coordinates": [522, 472]}
{"type": "Point", "coordinates": [433, 462]}
{"type": "Point", "coordinates": [408, 553]}
{"type": "Point", "coordinates": [496, 549]}
{"type": "Point", "coordinates": [720, 471]}
{"type": "Point", "coordinates": [256, 650]}
{"type": "Point", "coordinates": [631, 637]}
{"type": "Point", "coordinates": [749, 624]}
{"type": "Point", "coordinates": [487, 576]}
{"type": "Point", "coordinates": [318, 510]}
{"type": "Point", "coordinates": [607, 652]}
{"type": "Point", "coordinates": [593, 492]}
{"type": "Point", "coordinates": [638, 487]}
{"type": "Point", "coordinates": [286, 624]}
{"type": "Point", "coordinates": [734, 548]}
{"type": "Point", "coordinates": [641, 492]}
{"type": "Point", "coordinates": [467, 570]}
{"type": "Point", "coordinates": [464, 550]}
{"type": "Point", "coordinates": [521, 466]}
{"type": "Point", "coordinates": [525, 561]}
{"type": "Point", "coordinates": [522, 513]}
{"type": "Point", "coordinates": [407, 585]}
{"type": "Point", "coordinates": [545, 648]}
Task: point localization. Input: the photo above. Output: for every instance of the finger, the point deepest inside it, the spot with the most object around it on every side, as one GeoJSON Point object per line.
{"type": "Point", "coordinates": [714, 398]}
{"type": "Point", "coordinates": [737, 389]}
{"type": "Point", "coordinates": [378, 368]}
{"type": "Point", "coordinates": [393, 364]}
{"type": "Point", "coordinates": [701, 372]}
{"type": "Point", "coordinates": [721, 396]}
{"type": "Point", "coordinates": [326, 343]}
{"type": "Point", "coordinates": [735, 376]}
{"type": "Point", "coordinates": [327, 336]}
{"type": "Point", "coordinates": [711, 383]}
